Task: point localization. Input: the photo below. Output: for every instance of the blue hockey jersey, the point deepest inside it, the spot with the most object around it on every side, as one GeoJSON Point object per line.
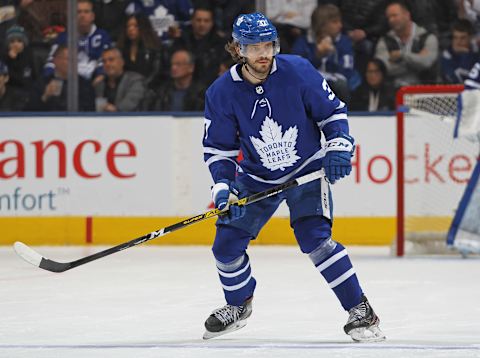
{"type": "Point", "coordinates": [277, 125]}
{"type": "Point", "coordinates": [90, 48]}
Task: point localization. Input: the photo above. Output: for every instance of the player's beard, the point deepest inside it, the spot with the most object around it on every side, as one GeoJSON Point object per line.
{"type": "Point", "coordinates": [260, 66]}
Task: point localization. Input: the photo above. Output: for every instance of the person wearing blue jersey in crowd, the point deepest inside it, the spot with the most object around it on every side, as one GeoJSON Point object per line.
{"type": "Point", "coordinates": [91, 43]}
{"type": "Point", "coordinates": [274, 108]}
{"type": "Point", "coordinates": [461, 55]}
{"type": "Point", "coordinates": [330, 51]}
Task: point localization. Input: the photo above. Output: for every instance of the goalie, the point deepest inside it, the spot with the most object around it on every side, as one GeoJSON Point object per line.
{"type": "Point", "coordinates": [464, 232]}
{"type": "Point", "coordinates": [274, 108]}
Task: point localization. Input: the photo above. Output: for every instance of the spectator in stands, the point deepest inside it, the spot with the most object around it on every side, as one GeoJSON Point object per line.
{"type": "Point", "coordinates": [461, 55]}
{"type": "Point", "coordinates": [226, 11]}
{"type": "Point", "coordinates": [141, 48]}
{"type": "Point", "coordinates": [122, 91]}
{"type": "Point", "coordinates": [55, 26]}
{"type": "Point", "coordinates": [330, 51]}
{"type": "Point", "coordinates": [364, 26]}
{"type": "Point", "coordinates": [375, 93]}
{"type": "Point", "coordinates": [92, 41]}
{"type": "Point", "coordinates": [436, 16]}
{"type": "Point", "coordinates": [291, 19]}
{"type": "Point", "coordinates": [168, 17]}
{"type": "Point", "coordinates": [37, 17]}
{"type": "Point", "coordinates": [409, 51]}
{"type": "Point", "coordinates": [9, 11]}
{"type": "Point", "coordinates": [50, 94]}
{"type": "Point", "coordinates": [19, 60]}
{"type": "Point", "coordinates": [9, 101]}
{"type": "Point", "coordinates": [201, 39]}
{"type": "Point", "coordinates": [181, 93]}
{"type": "Point", "coordinates": [110, 16]}
{"type": "Point", "coordinates": [469, 10]}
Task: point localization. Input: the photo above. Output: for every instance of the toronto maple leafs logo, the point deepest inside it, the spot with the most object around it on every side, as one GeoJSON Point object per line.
{"type": "Point", "coordinates": [276, 149]}
{"type": "Point", "coordinates": [162, 20]}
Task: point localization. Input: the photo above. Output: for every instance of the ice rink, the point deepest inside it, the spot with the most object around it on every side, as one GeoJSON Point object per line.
{"type": "Point", "coordinates": [151, 301]}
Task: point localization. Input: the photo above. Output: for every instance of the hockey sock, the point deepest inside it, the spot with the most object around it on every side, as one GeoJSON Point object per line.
{"type": "Point", "coordinates": [332, 261]}
{"type": "Point", "coordinates": [236, 279]}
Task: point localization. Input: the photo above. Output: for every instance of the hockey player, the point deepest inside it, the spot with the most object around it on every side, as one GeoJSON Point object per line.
{"type": "Point", "coordinates": [274, 108]}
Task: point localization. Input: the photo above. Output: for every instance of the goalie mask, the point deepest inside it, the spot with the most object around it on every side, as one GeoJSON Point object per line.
{"type": "Point", "coordinates": [252, 29]}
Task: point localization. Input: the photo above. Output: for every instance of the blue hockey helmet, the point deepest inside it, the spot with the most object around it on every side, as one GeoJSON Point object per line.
{"type": "Point", "coordinates": [253, 28]}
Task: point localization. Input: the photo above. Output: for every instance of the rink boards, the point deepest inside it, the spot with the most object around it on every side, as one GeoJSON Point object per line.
{"type": "Point", "coordinates": [105, 180]}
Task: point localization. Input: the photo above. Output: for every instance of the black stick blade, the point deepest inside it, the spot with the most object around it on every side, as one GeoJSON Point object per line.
{"type": "Point", "coordinates": [34, 258]}
{"type": "Point", "coordinates": [54, 266]}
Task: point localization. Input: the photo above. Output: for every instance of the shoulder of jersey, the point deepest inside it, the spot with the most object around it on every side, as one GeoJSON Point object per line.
{"type": "Point", "coordinates": [290, 59]}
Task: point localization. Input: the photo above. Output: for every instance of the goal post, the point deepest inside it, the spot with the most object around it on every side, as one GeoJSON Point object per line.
{"type": "Point", "coordinates": [433, 168]}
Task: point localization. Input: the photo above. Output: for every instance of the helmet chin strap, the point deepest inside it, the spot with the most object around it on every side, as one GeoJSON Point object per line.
{"type": "Point", "coordinates": [246, 65]}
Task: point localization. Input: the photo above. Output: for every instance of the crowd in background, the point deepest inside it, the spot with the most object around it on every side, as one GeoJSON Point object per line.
{"type": "Point", "coordinates": [161, 55]}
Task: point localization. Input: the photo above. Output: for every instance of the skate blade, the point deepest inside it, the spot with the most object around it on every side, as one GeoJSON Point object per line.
{"type": "Point", "coordinates": [367, 334]}
{"type": "Point", "coordinates": [234, 327]}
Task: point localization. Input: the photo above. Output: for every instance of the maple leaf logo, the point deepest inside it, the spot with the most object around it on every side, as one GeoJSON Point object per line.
{"type": "Point", "coordinates": [276, 149]}
{"type": "Point", "coordinates": [161, 20]}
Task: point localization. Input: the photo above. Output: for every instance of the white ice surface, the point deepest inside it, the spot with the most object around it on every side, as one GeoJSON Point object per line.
{"type": "Point", "coordinates": [152, 301]}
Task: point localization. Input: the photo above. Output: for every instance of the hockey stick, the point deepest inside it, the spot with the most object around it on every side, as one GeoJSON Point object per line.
{"type": "Point", "coordinates": [31, 256]}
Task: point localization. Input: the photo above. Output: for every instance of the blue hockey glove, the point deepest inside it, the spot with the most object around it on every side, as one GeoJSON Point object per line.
{"type": "Point", "coordinates": [339, 150]}
{"type": "Point", "coordinates": [223, 193]}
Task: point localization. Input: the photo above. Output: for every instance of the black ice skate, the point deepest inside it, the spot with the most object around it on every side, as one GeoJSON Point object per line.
{"type": "Point", "coordinates": [227, 319]}
{"type": "Point", "coordinates": [362, 324]}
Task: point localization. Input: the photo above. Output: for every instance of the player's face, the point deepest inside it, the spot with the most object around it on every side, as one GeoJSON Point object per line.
{"type": "Point", "coordinates": [260, 56]}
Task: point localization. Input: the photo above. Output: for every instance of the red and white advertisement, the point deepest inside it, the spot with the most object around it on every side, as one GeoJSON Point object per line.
{"type": "Point", "coordinates": [132, 166]}
{"type": "Point", "coordinates": [153, 166]}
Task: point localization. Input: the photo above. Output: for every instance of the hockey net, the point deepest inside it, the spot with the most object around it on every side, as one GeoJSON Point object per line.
{"type": "Point", "coordinates": [433, 168]}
